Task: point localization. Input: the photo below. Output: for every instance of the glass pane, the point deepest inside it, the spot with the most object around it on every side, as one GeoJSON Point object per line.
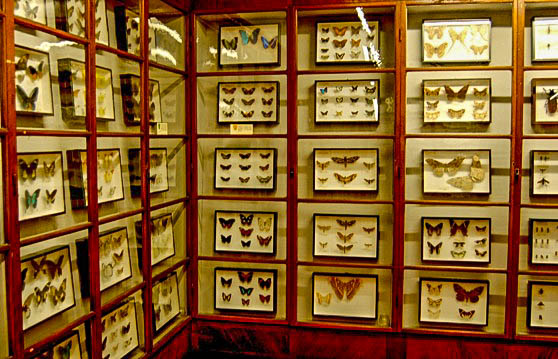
{"type": "Point", "coordinates": [167, 176]}
{"type": "Point", "coordinates": [46, 184]}
{"type": "Point", "coordinates": [123, 330]}
{"type": "Point", "coordinates": [169, 303]}
{"type": "Point", "coordinates": [167, 108]}
{"type": "Point", "coordinates": [53, 291]}
{"type": "Point", "coordinates": [168, 25]}
{"type": "Point", "coordinates": [168, 237]}
{"type": "Point", "coordinates": [50, 83]}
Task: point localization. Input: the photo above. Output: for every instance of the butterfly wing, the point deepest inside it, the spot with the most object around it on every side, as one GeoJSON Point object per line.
{"type": "Point", "coordinates": [460, 293]}
{"type": "Point", "coordinates": [465, 183]}
{"type": "Point", "coordinates": [337, 287]}
{"type": "Point", "coordinates": [437, 167]}
{"type": "Point", "coordinates": [453, 166]}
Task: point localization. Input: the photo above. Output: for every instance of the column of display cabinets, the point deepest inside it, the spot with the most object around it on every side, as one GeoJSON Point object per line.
{"type": "Point", "coordinates": [95, 149]}
{"type": "Point", "coordinates": [407, 192]}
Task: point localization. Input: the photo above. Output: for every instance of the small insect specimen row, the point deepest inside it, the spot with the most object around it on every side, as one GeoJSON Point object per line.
{"type": "Point", "coordinates": [456, 101]}
{"type": "Point", "coordinates": [347, 101]}
{"type": "Point", "coordinates": [245, 289]}
{"type": "Point", "coordinates": [543, 242]}
{"type": "Point", "coordinates": [250, 38]}
{"type": "Point", "coordinates": [238, 231]}
{"type": "Point", "coordinates": [347, 236]}
{"type": "Point", "coordinates": [248, 102]}
{"type": "Point", "coordinates": [456, 40]}
{"type": "Point", "coordinates": [245, 168]}
{"type": "Point", "coordinates": [339, 42]}
{"type": "Point", "coordinates": [345, 169]}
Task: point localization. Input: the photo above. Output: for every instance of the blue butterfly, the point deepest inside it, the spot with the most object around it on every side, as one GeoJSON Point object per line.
{"type": "Point", "coordinates": [31, 200]}
{"type": "Point", "coordinates": [245, 291]}
{"type": "Point", "coordinates": [266, 43]}
{"type": "Point", "coordinates": [323, 90]}
{"type": "Point", "coordinates": [252, 38]}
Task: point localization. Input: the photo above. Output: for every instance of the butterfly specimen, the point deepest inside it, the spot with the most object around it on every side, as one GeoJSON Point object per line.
{"type": "Point", "coordinates": [345, 160]}
{"type": "Point", "coordinates": [346, 223]}
{"type": "Point", "coordinates": [478, 50]}
{"type": "Point", "coordinates": [434, 303]}
{"type": "Point", "coordinates": [345, 179]}
{"type": "Point", "coordinates": [459, 95]}
{"type": "Point", "coordinates": [480, 253]}
{"type": "Point", "coordinates": [435, 31]}
{"type": "Point", "coordinates": [338, 113]}
{"type": "Point", "coordinates": [245, 243]}
{"type": "Point", "coordinates": [225, 179]}
{"type": "Point", "coordinates": [369, 180]}
{"type": "Point", "coordinates": [369, 230]}
{"type": "Point", "coordinates": [248, 102]}
{"type": "Point", "coordinates": [354, 99]}
{"type": "Point", "coordinates": [454, 227]}
{"type": "Point", "coordinates": [322, 180]}
{"type": "Point", "coordinates": [230, 44]}
{"type": "Point", "coordinates": [340, 31]}
{"type": "Point", "coordinates": [264, 179]}
{"type": "Point", "coordinates": [267, 114]}
{"type": "Point", "coordinates": [480, 93]}
{"type": "Point", "coordinates": [459, 244]}
{"type": "Point", "coordinates": [434, 290]}
{"type": "Point", "coordinates": [481, 242]}
{"type": "Point", "coordinates": [58, 295]}
{"type": "Point", "coordinates": [458, 255]}
{"type": "Point", "coordinates": [31, 200]}
{"type": "Point", "coordinates": [467, 296]}
{"type": "Point", "coordinates": [480, 115]}
{"type": "Point", "coordinates": [323, 228]}
{"type": "Point", "coordinates": [64, 351]}
{"type": "Point", "coordinates": [244, 179]}
{"type": "Point", "coordinates": [226, 297]}
{"type": "Point", "coordinates": [244, 156]}
{"type": "Point", "coordinates": [28, 171]}
{"type": "Point", "coordinates": [434, 313]}
{"type": "Point", "coordinates": [355, 43]}
{"type": "Point", "coordinates": [245, 276]}
{"type": "Point", "coordinates": [246, 232]}
{"type": "Point", "coordinates": [125, 329]}
{"type": "Point", "coordinates": [344, 237]}
{"type": "Point", "coordinates": [248, 91]}
{"type": "Point", "coordinates": [323, 299]}
{"type": "Point", "coordinates": [478, 105]}
{"type": "Point", "coordinates": [226, 282]}
{"type": "Point", "coordinates": [339, 43]}
{"type": "Point", "coordinates": [355, 54]}
{"type": "Point", "coordinates": [264, 224]}
{"type": "Point", "coordinates": [246, 220]}
{"type": "Point", "coordinates": [324, 39]}
{"type": "Point", "coordinates": [225, 167]}
{"type": "Point", "coordinates": [245, 291]}
{"type": "Point", "coordinates": [339, 56]}
{"type": "Point", "coordinates": [267, 102]}
{"type": "Point", "coordinates": [456, 113]}
{"type": "Point", "coordinates": [455, 36]}
{"type": "Point", "coordinates": [244, 167]}
{"type": "Point", "coordinates": [434, 248]}
{"type": "Point", "coordinates": [228, 102]}
{"type": "Point", "coordinates": [229, 91]}
{"type": "Point", "coordinates": [253, 37]}
{"type": "Point", "coordinates": [268, 89]}
{"type": "Point", "coordinates": [28, 102]}
{"type": "Point", "coordinates": [51, 196]}
{"type": "Point", "coordinates": [323, 244]}
{"type": "Point", "coordinates": [49, 169]}
{"type": "Point", "coordinates": [324, 102]}
{"type": "Point", "coordinates": [247, 114]}
{"type": "Point", "coordinates": [432, 115]}
{"type": "Point", "coordinates": [341, 288]}
{"type": "Point", "coordinates": [270, 43]}
{"type": "Point", "coordinates": [264, 241]}
{"type": "Point", "coordinates": [339, 99]}
{"type": "Point", "coordinates": [344, 249]}
{"type": "Point", "coordinates": [432, 50]}
{"type": "Point", "coordinates": [323, 91]}
{"type": "Point", "coordinates": [245, 301]}
{"type": "Point", "coordinates": [30, 12]}
{"type": "Point", "coordinates": [264, 283]}
{"type": "Point", "coordinates": [451, 167]}
{"type": "Point", "coordinates": [430, 92]}
{"type": "Point", "coordinates": [41, 295]}
{"type": "Point", "coordinates": [265, 298]}
{"type": "Point", "coordinates": [265, 155]}
{"type": "Point", "coordinates": [430, 106]}
{"type": "Point", "coordinates": [466, 315]}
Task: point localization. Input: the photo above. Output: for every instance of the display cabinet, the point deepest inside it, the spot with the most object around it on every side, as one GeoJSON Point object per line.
{"type": "Point", "coordinates": [97, 165]}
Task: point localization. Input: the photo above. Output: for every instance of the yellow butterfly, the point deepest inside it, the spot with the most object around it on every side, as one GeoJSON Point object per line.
{"type": "Point", "coordinates": [432, 50]}
{"type": "Point", "coordinates": [479, 105]}
{"type": "Point", "coordinates": [480, 115]}
{"type": "Point", "coordinates": [456, 113]}
{"type": "Point", "coordinates": [108, 175]}
{"type": "Point", "coordinates": [480, 93]}
{"type": "Point", "coordinates": [478, 50]}
{"type": "Point", "coordinates": [430, 92]}
{"type": "Point", "coordinates": [345, 179]}
{"type": "Point", "coordinates": [455, 36]}
{"type": "Point", "coordinates": [340, 31]}
{"type": "Point", "coordinates": [264, 224]}
{"type": "Point", "coordinates": [434, 303]}
{"type": "Point", "coordinates": [432, 115]}
{"type": "Point", "coordinates": [435, 31]}
{"type": "Point", "coordinates": [323, 299]}
{"type": "Point", "coordinates": [431, 106]}
{"type": "Point", "coordinates": [451, 167]}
